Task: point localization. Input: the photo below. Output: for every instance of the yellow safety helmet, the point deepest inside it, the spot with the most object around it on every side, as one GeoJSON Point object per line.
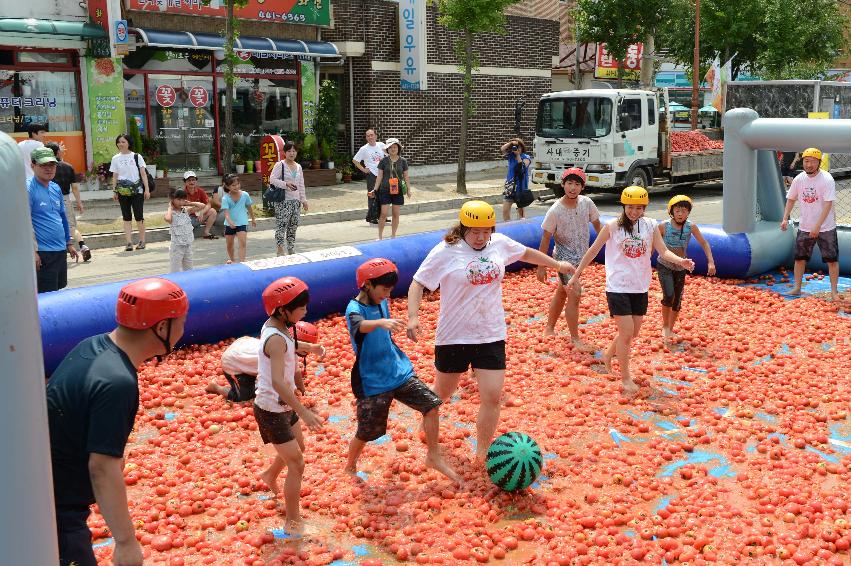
{"type": "Point", "coordinates": [635, 195]}
{"type": "Point", "coordinates": [677, 199]}
{"type": "Point", "coordinates": [477, 214]}
{"type": "Point", "coordinates": [812, 152]}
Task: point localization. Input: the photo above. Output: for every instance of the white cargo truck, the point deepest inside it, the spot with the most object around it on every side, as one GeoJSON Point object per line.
{"type": "Point", "coordinates": [619, 137]}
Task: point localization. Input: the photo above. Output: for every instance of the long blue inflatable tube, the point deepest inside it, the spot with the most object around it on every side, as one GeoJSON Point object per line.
{"type": "Point", "coordinates": [224, 301]}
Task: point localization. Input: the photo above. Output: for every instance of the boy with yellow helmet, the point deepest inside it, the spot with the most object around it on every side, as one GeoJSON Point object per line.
{"type": "Point", "coordinates": [677, 232]}
{"type": "Point", "coordinates": [816, 190]}
{"type": "Point", "coordinates": [468, 266]}
{"type": "Point", "coordinates": [631, 240]}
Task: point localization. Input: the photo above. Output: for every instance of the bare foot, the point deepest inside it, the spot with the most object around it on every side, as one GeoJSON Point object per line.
{"type": "Point", "coordinates": [295, 530]}
{"type": "Point", "coordinates": [629, 387]}
{"type": "Point", "coordinates": [667, 333]}
{"type": "Point", "coordinates": [436, 462]}
{"type": "Point", "coordinates": [795, 291]}
{"type": "Point", "coordinates": [352, 471]}
{"type": "Point", "coordinates": [214, 387]}
{"type": "Point", "coordinates": [581, 346]}
{"type": "Point", "coordinates": [548, 331]}
{"type": "Point", "coordinates": [270, 481]}
{"type": "Point", "coordinates": [607, 362]}
{"type": "Point", "coordinates": [481, 458]}
{"type": "Point", "coordinates": [834, 298]}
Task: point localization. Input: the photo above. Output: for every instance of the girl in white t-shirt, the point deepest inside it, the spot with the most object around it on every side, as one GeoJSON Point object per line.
{"type": "Point", "coordinates": [631, 241]}
{"type": "Point", "coordinates": [468, 267]}
{"type": "Point", "coordinates": [277, 409]}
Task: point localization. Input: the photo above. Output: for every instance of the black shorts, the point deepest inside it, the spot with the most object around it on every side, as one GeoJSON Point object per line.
{"type": "Point", "coordinates": [385, 198]}
{"type": "Point", "coordinates": [241, 387]}
{"type": "Point", "coordinates": [372, 412]}
{"type": "Point", "coordinates": [275, 428]}
{"type": "Point", "coordinates": [672, 282]}
{"type": "Point", "coordinates": [232, 231]}
{"type": "Point", "coordinates": [457, 358]}
{"type": "Point", "coordinates": [828, 244]}
{"type": "Point", "coordinates": [627, 304]}
{"type": "Point", "coordinates": [132, 206]}
{"type": "Point", "coordinates": [53, 273]}
{"type": "Point", "coordinates": [75, 538]}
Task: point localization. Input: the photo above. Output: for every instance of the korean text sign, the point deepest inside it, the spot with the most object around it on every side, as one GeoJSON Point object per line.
{"type": "Point", "coordinates": [309, 12]}
{"type": "Point", "coordinates": [607, 67]}
{"type": "Point", "coordinates": [412, 45]}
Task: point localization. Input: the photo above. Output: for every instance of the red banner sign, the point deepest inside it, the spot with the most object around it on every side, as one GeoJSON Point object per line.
{"type": "Point", "coordinates": [271, 151]}
{"type": "Point", "coordinates": [312, 12]}
{"type": "Point", "coordinates": [199, 97]}
{"type": "Point", "coordinates": [607, 67]}
{"type": "Point", "coordinates": [166, 95]}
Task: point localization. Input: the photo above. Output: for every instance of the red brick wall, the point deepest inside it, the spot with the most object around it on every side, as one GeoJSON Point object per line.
{"type": "Point", "coordinates": [428, 122]}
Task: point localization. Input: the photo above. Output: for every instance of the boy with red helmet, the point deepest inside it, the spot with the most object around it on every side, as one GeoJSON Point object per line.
{"type": "Point", "coordinates": [382, 372]}
{"type": "Point", "coordinates": [277, 409]}
{"type": "Point", "coordinates": [92, 401]}
{"type": "Point", "coordinates": [567, 221]}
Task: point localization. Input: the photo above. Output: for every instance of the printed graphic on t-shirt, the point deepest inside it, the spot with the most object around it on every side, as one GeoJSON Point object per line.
{"type": "Point", "coordinates": [809, 195]}
{"type": "Point", "coordinates": [633, 247]}
{"type": "Point", "coordinates": [482, 271]}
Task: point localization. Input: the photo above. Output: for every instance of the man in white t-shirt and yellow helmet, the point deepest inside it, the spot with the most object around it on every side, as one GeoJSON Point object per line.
{"type": "Point", "coordinates": [815, 191]}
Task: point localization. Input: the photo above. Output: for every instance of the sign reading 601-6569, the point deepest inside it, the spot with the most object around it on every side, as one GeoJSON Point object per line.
{"type": "Point", "coordinates": [287, 17]}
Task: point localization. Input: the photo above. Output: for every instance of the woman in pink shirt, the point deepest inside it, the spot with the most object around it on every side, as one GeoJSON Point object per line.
{"type": "Point", "coordinates": [288, 175]}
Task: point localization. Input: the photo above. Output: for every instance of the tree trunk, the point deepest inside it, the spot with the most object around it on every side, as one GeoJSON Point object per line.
{"type": "Point", "coordinates": [620, 74]}
{"type": "Point", "coordinates": [647, 67]}
{"type": "Point", "coordinates": [466, 112]}
{"type": "Point", "coordinates": [227, 148]}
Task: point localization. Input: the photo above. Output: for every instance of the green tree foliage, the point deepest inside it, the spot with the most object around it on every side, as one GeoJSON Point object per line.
{"type": "Point", "coordinates": [771, 38]}
{"type": "Point", "coordinates": [327, 116]}
{"type": "Point", "coordinates": [470, 18]}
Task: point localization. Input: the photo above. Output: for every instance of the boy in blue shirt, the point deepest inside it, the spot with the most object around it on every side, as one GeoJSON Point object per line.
{"type": "Point", "coordinates": [382, 372]}
{"type": "Point", "coordinates": [236, 205]}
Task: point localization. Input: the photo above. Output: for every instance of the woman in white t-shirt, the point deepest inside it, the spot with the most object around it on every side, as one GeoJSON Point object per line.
{"type": "Point", "coordinates": [130, 188]}
{"type": "Point", "coordinates": [468, 267]}
{"type": "Point", "coordinates": [632, 239]}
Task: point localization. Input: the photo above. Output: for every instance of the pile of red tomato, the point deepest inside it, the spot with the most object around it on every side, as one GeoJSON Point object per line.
{"type": "Point", "coordinates": [745, 457]}
{"type": "Point", "coordinates": [693, 141]}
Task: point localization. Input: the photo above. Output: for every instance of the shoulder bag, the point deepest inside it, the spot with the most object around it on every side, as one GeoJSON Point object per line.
{"type": "Point", "coordinates": [273, 193]}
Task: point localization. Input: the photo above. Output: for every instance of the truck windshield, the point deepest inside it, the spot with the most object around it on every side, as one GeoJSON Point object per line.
{"type": "Point", "coordinates": [574, 117]}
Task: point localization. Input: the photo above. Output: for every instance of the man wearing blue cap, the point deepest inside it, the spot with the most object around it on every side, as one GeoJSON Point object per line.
{"type": "Point", "coordinates": [50, 225]}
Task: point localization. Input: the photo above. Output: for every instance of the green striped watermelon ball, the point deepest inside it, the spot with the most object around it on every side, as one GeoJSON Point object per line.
{"type": "Point", "coordinates": [514, 461]}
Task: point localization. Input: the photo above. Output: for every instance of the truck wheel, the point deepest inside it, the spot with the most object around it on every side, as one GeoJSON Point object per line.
{"type": "Point", "coordinates": [638, 178]}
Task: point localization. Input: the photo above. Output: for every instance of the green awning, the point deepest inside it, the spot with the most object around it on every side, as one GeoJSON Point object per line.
{"type": "Point", "coordinates": [52, 27]}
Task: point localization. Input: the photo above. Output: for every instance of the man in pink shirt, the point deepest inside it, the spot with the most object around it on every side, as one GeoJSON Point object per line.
{"type": "Point", "coordinates": [816, 192]}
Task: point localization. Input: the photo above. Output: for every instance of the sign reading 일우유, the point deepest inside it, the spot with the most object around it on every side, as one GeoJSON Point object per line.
{"type": "Point", "coordinates": [412, 45]}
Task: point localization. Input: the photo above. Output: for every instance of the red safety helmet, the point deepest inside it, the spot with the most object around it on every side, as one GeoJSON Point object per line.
{"type": "Point", "coordinates": [281, 292]}
{"type": "Point", "coordinates": [306, 332]}
{"type": "Point", "coordinates": [143, 303]}
{"type": "Point", "coordinates": [373, 269]}
{"type": "Point", "coordinates": [574, 171]}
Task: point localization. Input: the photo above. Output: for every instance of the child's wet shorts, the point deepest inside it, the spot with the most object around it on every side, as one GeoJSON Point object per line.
{"type": "Point", "coordinates": [457, 358]}
{"type": "Point", "coordinates": [627, 304]}
{"type": "Point", "coordinates": [828, 245]}
{"type": "Point", "coordinates": [373, 411]}
{"type": "Point", "coordinates": [241, 387]}
{"type": "Point", "coordinates": [275, 428]}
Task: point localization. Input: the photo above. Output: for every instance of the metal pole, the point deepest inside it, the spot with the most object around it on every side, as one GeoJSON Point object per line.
{"type": "Point", "coordinates": [28, 533]}
{"type": "Point", "coordinates": [695, 75]}
{"type": "Point", "coordinates": [351, 107]}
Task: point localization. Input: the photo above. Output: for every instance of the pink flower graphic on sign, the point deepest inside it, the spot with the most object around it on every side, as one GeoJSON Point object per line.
{"type": "Point", "coordinates": [482, 271]}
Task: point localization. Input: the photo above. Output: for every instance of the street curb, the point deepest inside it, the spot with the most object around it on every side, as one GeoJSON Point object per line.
{"type": "Point", "coordinates": [116, 239]}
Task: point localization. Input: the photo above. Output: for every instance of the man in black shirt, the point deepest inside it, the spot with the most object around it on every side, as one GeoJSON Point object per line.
{"type": "Point", "coordinates": [92, 400]}
{"type": "Point", "coordinates": [66, 178]}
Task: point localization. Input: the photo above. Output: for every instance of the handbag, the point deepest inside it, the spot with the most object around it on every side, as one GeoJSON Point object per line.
{"type": "Point", "coordinates": [273, 193]}
{"type": "Point", "coordinates": [151, 184]}
{"type": "Point", "coordinates": [522, 198]}
{"type": "Point", "coordinates": [398, 186]}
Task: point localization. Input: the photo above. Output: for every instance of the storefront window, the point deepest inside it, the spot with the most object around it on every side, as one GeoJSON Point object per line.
{"type": "Point", "coordinates": [134, 101]}
{"type": "Point", "coordinates": [182, 118]}
{"type": "Point", "coordinates": [39, 97]}
{"type": "Point", "coordinates": [264, 106]}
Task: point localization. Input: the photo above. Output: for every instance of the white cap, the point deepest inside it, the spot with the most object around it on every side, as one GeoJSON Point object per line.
{"type": "Point", "coordinates": [391, 141]}
{"type": "Point", "coordinates": [189, 174]}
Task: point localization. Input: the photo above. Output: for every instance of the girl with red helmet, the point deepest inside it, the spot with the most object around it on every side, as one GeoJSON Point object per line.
{"type": "Point", "coordinates": [382, 372]}
{"type": "Point", "coordinates": [277, 409]}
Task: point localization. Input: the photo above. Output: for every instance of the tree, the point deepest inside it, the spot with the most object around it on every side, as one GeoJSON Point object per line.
{"type": "Point", "coordinates": [618, 24]}
{"type": "Point", "coordinates": [773, 39]}
{"type": "Point", "coordinates": [470, 17]}
{"type": "Point", "coordinates": [231, 32]}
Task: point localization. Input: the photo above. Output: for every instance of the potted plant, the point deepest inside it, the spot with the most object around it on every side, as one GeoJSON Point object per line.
{"type": "Point", "coordinates": [160, 167]}
{"type": "Point", "coordinates": [310, 151]}
{"type": "Point", "coordinates": [151, 152]}
{"type": "Point", "coordinates": [239, 163]}
{"type": "Point", "coordinates": [346, 170]}
{"type": "Point", "coordinates": [327, 118]}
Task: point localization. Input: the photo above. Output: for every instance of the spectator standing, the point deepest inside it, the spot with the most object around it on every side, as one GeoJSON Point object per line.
{"type": "Point", "coordinates": [92, 401]}
{"type": "Point", "coordinates": [66, 178]}
{"type": "Point", "coordinates": [816, 191]}
{"type": "Point", "coordinates": [237, 206]}
{"type": "Point", "coordinates": [366, 160]}
{"type": "Point", "coordinates": [50, 225]}
{"type": "Point", "coordinates": [180, 230]}
{"type": "Point", "coordinates": [130, 188]}
{"type": "Point", "coordinates": [518, 171]}
{"type": "Point", "coordinates": [205, 215]}
{"type": "Point", "coordinates": [288, 175]}
{"type": "Point", "coordinates": [36, 134]}
{"type": "Point", "coordinates": [393, 184]}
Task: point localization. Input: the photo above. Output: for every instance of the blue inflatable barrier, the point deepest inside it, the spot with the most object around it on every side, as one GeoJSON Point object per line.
{"type": "Point", "coordinates": [224, 301]}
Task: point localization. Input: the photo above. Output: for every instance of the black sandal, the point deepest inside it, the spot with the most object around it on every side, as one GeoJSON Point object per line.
{"type": "Point", "coordinates": [211, 237]}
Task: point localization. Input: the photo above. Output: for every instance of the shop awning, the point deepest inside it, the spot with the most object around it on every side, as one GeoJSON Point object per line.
{"type": "Point", "coordinates": [51, 27]}
{"type": "Point", "coordinates": [214, 42]}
